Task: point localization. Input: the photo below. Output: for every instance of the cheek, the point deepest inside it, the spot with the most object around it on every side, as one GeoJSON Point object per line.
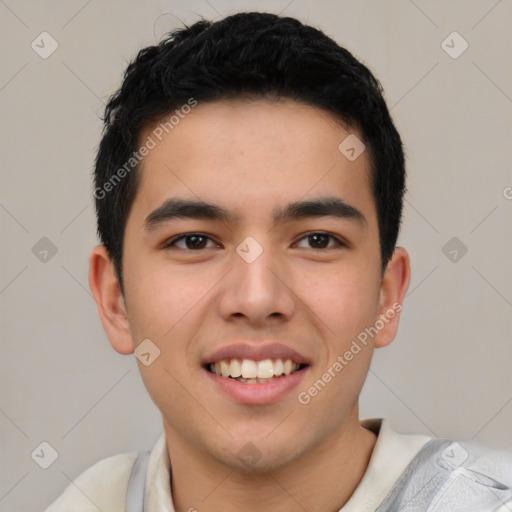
{"type": "Point", "coordinates": [164, 307]}
{"type": "Point", "coordinates": [159, 298]}
{"type": "Point", "coordinates": [345, 298]}
{"type": "Point", "coordinates": [347, 303]}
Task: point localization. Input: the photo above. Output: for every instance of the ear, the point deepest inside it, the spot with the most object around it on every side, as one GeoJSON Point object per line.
{"type": "Point", "coordinates": [392, 292]}
{"type": "Point", "coordinates": [109, 300]}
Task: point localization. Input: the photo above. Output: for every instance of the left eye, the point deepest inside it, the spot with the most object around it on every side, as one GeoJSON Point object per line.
{"type": "Point", "coordinates": [321, 240]}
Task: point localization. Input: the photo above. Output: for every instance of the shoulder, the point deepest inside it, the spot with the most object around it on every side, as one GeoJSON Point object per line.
{"type": "Point", "coordinates": [102, 486]}
{"type": "Point", "coordinates": [482, 459]}
{"type": "Point", "coordinates": [456, 475]}
{"type": "Point", "coordinates": [479, 477]}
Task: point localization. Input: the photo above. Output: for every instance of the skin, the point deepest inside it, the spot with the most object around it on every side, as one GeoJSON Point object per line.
{"type": "Point", "coordinates": [251, 157]}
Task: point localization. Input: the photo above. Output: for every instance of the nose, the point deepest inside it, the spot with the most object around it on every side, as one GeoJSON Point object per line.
{"type": "Point", "coordinates": [258, 290]}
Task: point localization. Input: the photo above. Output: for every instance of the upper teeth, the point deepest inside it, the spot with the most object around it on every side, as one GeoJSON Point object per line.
{"type": "Point", "coordinates": [249, 369]}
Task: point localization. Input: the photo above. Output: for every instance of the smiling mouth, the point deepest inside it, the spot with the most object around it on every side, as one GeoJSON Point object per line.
{"type": "Point", "coordinates": [249, 371]}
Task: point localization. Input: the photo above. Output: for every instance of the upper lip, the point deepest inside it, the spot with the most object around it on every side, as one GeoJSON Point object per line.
{"type": "Point", "coordinates": [256, 353]}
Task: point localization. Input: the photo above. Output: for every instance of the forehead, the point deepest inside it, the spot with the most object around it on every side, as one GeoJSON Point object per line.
{"type": "Point", "coordinates": [250, 156]}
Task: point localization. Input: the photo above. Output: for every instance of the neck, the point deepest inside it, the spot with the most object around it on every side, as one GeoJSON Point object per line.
{"type": "Point", "coordinates": [321, 480]}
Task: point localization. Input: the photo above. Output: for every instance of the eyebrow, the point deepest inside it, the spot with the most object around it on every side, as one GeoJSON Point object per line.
{"type": "Point", "coordinates": [178, 208]}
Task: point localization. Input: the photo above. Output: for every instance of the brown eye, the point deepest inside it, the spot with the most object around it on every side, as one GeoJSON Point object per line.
{"type": "Point", "coordinates": [191, 241]}
{"type": "Point", "coordinates": [319, 240]}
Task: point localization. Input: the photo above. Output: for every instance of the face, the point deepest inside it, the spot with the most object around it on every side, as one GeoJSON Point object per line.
{"type": "Point", "coordinates": [253, 283]}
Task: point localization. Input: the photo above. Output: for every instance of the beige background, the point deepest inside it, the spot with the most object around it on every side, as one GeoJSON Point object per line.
{"type": "Point", "coordinates": [448, 373]}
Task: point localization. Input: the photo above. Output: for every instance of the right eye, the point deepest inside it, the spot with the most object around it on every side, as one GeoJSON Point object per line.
{"type": "Point", "coordinates": [191, 241]}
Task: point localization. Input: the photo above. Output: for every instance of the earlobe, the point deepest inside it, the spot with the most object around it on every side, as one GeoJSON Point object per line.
{"type": "Point", "coordinates": [109, 300]}
{"type": "Point", "coordinates": [395, 283]}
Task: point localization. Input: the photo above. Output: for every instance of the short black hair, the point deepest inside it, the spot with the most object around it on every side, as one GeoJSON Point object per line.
{"type": "Point", "coordinates": [253, 55]}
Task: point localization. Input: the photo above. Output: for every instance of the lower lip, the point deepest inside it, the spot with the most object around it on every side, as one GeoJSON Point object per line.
{"type": "Point", "coordinates": [258, 394]}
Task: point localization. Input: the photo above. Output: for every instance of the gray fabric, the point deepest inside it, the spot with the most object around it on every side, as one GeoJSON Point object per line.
{"type": "Point", "coordinates": [137, 483]}
{"type": "Point", "coordinates": [441, 478]}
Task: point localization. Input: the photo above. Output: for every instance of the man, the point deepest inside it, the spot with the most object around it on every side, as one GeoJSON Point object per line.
{"type": "Point", "coordinates": [249, 188]}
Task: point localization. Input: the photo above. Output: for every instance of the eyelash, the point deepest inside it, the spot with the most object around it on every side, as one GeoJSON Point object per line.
{"type": "Point", "coordinates": [340, 243]}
